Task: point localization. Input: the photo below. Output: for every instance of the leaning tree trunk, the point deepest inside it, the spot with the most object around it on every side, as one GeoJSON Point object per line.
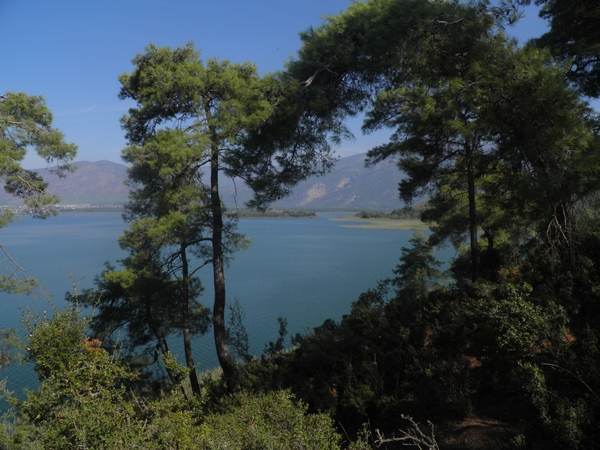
{"type": "Point", "coordinates": [187, 335]}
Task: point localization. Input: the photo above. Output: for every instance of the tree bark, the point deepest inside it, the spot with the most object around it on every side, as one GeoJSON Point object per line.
{"type": "Point", "coordinates": [187, 336]}
{"type": "Point", "coordinates": [218, 318]}
{"type": "Point", "coordinates": [472, 215]}
{"type": "Point", "coordinates": [160, 337]}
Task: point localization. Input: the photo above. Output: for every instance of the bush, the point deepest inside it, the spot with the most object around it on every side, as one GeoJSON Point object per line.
{"type": "Point", "coordinates": [86, 399]}
{"type": "Point", "coordinates": [269, 421]}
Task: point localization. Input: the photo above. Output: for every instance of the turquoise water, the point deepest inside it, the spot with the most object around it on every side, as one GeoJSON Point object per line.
{"type": "Point", "coordinates": [306, 270]}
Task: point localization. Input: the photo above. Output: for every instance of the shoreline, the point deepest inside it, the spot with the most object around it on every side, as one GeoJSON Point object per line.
{"type": "Point", "coordinates": [382, 224]}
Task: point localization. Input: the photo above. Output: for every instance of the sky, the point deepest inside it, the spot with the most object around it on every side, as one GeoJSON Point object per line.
{"type": "Point", "coordinates": [71, 52]}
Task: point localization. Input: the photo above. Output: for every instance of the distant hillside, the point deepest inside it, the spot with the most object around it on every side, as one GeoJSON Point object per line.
{"type": "Point", "coordinates": [349, 186]}
{"type": "Point", "coordinates": [92, 183]}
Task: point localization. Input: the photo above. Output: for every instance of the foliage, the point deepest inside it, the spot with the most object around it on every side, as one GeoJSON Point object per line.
{"type": "Point", "coordinates": [83, 397]}
{"type": "Point", "coordinates": [7, 342]}
{"type": "Point", "coordinates": [272, 348]}
{"type": "Point", "coordinates": [84, 400]}
{"type": "Point", "coordinates": [25, 122]}
{"type": "Point", "coordinates": [418, 272]}
{"type": "Point", "coordinates": [237, 336]}
{"type": "Point", "coordinates": [573, 38]}
{"type": "Point", "coordinates": [396, 214]}
{"type": "Point", "coordinates": [479, 162]}
{"type": "Point", "coordinates": [271, 421]}
{"type": "Point", "coordinates": [448, 351]}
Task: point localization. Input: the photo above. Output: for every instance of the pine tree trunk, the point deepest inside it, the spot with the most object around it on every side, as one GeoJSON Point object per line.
{"type": "Point", "coordinates": [187, 335]}
{"type": "Point", "coordinates": [160, 337]}
{"type": "Point", "coordinates": [218, 318]}
{"type": "Point", "coordinates": [472, 215]}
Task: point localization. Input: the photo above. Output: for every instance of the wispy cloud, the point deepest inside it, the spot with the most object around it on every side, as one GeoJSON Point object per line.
{"type": "Point", "coordinates": [116, 108]}
{"type": "Point", "coordinates": [75, 112]}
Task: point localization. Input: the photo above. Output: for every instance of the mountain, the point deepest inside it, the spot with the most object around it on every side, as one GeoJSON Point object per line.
{"type": "Point", "coordinates": [93, 183]}
{"type": "Point", "coordinates": [349, 186]}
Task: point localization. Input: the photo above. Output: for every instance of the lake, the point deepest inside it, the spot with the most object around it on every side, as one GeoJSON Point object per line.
{"type": "Point", "coordinates": [305, 270]}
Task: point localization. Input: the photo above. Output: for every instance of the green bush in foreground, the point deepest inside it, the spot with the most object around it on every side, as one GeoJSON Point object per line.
{"type": "Point", "coordinates": [270, 421]}
{"type": "Point", "coordinates": [83, 399]}
{"type": "Point", "coordinates": [87, 399]}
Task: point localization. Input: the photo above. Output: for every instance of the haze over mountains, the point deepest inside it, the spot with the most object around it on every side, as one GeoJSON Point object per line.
{"type": "Point", "coordinates": [349, 186]}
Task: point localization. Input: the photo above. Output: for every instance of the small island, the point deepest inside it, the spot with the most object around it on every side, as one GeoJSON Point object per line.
{"type": "Point", "coordinates": [272, 214]}
{"type": "Point", "coordinates": [398, 219]}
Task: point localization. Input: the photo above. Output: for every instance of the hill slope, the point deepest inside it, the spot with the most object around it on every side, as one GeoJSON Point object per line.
{"type": "Point", "coordinates": [92, 183]}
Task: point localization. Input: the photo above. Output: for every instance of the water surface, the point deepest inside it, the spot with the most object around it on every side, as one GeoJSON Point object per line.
{"type": "Point", "coordinates": [306, 270]}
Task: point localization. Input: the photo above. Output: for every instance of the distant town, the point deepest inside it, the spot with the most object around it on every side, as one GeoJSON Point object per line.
{"type": "Point", "coordinates": [107, 207]}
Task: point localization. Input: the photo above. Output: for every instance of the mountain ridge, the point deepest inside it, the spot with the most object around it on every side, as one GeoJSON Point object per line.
{"type": "Point", "coordinates": [350, 186]}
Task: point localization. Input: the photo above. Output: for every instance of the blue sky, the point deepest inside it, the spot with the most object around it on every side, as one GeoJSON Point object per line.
{"type": "Point", "coordinates": [72, 51]}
